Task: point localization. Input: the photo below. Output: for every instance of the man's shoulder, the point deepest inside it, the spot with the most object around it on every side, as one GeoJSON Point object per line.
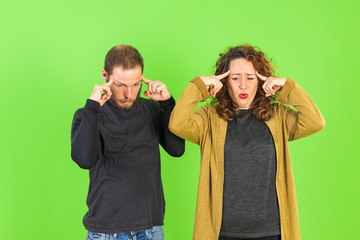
{"type": "Point", "coordinates": [90, 105]}
{"type": "Point", "coordinates": [146, 100]}
{"type": "Point", "coordinates": [79, 112]}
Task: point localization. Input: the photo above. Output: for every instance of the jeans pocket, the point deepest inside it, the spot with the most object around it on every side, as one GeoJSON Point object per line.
{"type": "Point", "coordinates": [95, 236]}
{"type": "Point", "coordinates": [157, 233]}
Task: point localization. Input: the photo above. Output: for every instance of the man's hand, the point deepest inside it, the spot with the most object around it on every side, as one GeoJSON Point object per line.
{"type": "Point", "coordinates": [271, 84]}
{"type": "Point", "coordinates": [101, 93]}
{"type": "Point", "coordinates": [156, 90]}
{"type": "Point", "coordinates": [213, 83]}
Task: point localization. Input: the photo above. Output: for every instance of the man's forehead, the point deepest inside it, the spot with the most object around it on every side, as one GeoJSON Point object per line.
{"type": "Point", "coordinates": [126, 76]}
{"type": "Point", "coordinates": [119, 70]}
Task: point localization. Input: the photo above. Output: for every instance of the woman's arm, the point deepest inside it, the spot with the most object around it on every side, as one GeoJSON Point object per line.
{"type": "Point", "coordinates": [184, 122]}
{"type": "Point", "coordinates": [306, 119]}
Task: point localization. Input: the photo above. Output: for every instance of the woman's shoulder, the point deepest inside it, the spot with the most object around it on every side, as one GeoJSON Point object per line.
{"type": "Point", "coordinates": [209, 109]}
{"type": "Point", "coordinates": [281, 109]}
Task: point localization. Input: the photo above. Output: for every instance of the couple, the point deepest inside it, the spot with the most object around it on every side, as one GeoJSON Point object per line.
{"type": "Point", "coordinates": [246, 186]}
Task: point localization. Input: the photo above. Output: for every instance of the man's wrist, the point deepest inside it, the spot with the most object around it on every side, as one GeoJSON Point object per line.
{"type": "Point", "coordinates": [92, 105]}
{"type": "Point", "coordinates": [168, 102]}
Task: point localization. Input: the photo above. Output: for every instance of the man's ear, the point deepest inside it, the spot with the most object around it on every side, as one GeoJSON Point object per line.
{"type": "Point", "coordinates": [104, 75]}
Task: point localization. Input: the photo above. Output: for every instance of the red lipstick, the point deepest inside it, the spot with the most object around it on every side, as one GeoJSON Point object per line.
{"type": "Point", "coordinates": [243, 95]}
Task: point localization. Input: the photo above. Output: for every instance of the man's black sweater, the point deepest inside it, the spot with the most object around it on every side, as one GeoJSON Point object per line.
{"type": "Point", "coordinates": [121, 149]}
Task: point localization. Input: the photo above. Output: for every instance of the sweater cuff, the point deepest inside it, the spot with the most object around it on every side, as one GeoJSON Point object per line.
{"type": "Point", "coordinates": [92, 105]}
{"type": "Point", "coordinates": [203, 89]}
{"type": "Point", "coordinates": [285, 91]}
{"type": "Point", "coordinates": [169, 103]}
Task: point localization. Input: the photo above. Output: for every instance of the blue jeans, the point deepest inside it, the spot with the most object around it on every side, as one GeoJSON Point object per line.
{"type": "Point", "coordinates": [155, 233]}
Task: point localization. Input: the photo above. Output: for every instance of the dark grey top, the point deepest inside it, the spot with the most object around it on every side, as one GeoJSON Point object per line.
{"type": "Point", "coordinates": [121, 149]}
{"type": "Point", "coordinates": [250, 208]}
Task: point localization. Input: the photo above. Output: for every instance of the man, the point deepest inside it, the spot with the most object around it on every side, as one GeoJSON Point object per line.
{"type": "Point", "coordinates": [117, 135]}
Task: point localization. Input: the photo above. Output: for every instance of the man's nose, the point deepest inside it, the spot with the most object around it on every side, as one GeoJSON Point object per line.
{"type": "Point", "coordinates": [127, 92]}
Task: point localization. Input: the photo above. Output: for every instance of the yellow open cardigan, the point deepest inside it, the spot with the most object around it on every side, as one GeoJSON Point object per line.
{"type": "Point", "coordinates": [205, 128]}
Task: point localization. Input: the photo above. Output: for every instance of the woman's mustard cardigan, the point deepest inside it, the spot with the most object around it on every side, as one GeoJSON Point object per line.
{"type": "Point", "coordinates": [205, 128]}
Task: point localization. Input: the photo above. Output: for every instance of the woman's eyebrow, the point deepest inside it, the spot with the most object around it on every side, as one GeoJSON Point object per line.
{"type": "Point", "coordinates": [240, 73]}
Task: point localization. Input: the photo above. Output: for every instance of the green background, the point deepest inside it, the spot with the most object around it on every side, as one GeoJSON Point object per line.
{"type": "Point", "coordinates": [52, 53]}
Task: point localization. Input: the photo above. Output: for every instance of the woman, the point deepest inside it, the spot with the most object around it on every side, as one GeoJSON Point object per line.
{"type": "Point", "coordinates": [246, 186]}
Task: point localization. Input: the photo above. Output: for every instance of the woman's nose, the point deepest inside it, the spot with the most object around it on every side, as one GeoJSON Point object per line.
{"type": "Point", "coordinates": [242, 84]}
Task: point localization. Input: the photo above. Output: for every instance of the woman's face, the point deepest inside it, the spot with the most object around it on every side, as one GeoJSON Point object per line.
{"type": "Point", "coordinates": [242, 84]}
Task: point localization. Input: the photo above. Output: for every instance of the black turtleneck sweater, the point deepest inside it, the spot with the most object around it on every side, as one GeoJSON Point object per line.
{"type": "Point", "coordinates": [121, 149]}
{"type": "Point", "coordinates": [250, 208]}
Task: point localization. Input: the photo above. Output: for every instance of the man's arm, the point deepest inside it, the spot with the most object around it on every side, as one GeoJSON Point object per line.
{"type": "Point", "coordinates": [158, 91]}
{"type": "Point", "coordinates": [171, 143]}
{"type": "Point", "coordinates": [85, 135]}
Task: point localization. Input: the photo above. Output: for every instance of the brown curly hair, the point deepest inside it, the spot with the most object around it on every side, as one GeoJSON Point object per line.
{"type": "Point", "coordinates": [262, 106]}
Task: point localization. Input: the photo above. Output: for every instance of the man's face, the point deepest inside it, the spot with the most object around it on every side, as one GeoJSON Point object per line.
{"type": "Point", "coordinates": [126, 86]}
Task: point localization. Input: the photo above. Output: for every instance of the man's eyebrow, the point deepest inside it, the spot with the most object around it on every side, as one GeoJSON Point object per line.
{"type": "Point", "coordinates": [120, 83]}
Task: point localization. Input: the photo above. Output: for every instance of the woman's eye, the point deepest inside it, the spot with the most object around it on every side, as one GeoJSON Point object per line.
{"type": "Point", "coordinates": [234, 78]}
{"type": "Point", "coordinates": [251, 78]}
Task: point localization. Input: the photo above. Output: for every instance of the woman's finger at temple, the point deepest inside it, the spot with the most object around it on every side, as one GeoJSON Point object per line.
{"type": "Point", "coordinates": [263, 78]}
{"type": "Point", "coordinates": [225, 74]}
{"type": "Point", "coordinates": [265, 86]}
{"type": "Point", "coordinates": [271, 87]}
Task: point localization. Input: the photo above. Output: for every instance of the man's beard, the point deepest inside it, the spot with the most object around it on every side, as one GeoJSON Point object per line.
{"type": "Point", "coordinates": [115, 103]}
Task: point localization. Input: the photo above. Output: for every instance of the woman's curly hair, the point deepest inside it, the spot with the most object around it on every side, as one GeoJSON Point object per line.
{"type": "Point", "coordinates": [261, 106]}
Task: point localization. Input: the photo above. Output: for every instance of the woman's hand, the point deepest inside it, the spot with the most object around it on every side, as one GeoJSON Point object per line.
{"type": "Point", "coordinates": [271, 84]}
{"type": "Point", "coordinates": [213, 83]}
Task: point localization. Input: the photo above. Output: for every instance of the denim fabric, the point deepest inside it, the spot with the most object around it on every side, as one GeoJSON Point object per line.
{"type": "Point", "coordinates": [155, 233]}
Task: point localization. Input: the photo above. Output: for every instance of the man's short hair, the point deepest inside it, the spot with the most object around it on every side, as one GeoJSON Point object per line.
{"type": "Point", "coordinates": [124, 56]}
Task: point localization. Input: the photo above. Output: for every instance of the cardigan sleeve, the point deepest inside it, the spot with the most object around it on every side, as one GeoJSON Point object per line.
{"type": "Point", "coordinates": [305, 119]}
{"type": "Point", "coordinates": [184, 121]}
